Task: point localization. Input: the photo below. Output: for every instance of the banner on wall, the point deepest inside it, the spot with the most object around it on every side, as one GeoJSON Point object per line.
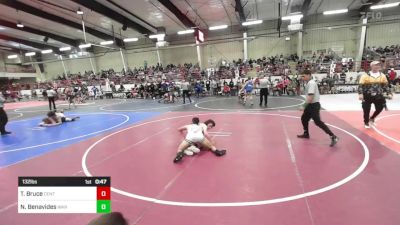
{"type": "Point", "coordinates": [338, 48]}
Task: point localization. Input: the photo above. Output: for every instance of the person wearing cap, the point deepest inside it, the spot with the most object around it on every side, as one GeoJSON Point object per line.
{"type": "Point", "coordinates": [3, 117]}
{"type": "Point", "coordinates": [372, 89]}
{"type": "Point", "coordinates": [311, 109]}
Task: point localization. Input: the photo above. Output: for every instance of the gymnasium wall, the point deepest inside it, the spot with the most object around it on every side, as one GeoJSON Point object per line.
{"type": "Point", "coordinates": [343, 41]}
{"type": "Point", "coordinates": [109, 60]}
{"type": "Point", "coordinates": [270, 46]}
{"type": "Point", "coordinates": [383, 34]}
{"type": "Point", "coordinates": [53, 68]}
{"type": "Point", "coordinates": [178, 55]}
{"type": "Point", "coordinates": [2, 60]}
{"type": "Point", "coordinates": [137, 59]}
{"type": "Point", "coordinates": [341, 35]}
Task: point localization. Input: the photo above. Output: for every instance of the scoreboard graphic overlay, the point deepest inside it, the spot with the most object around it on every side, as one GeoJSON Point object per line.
{"type": "Point", "coordinates": [64, 195]}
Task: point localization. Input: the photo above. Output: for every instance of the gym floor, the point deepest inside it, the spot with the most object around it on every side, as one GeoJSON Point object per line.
{"type": "Point", "coordinates": [268, 176]}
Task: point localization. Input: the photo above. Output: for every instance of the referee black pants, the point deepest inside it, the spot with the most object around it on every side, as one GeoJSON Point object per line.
{"type": "Point", "coordinates": [312, 112]}
{"type": "Point", "coordinates": [264, 95]}
{"type": "Point", "coordinates": [185, 93]}
{"type": "Point", "coordinates": [51, 100]}
{"type": "Point", "coordinates": [3, 120]}
{"type": "Point", "coordinates": [378, 101]}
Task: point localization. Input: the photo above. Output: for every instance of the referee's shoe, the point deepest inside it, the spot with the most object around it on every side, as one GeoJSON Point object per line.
{"type": "Point", "coordinates": [334, 140]}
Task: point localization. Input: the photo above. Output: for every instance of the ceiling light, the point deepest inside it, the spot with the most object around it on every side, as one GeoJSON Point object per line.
{"type": "Point", "coordinates": [47, 51]}
{"type": "Point", "coordinates": [85, 45]}
{"type": "Point", "coordinates": [157, 36]}
{"type": "Point", "coordinates": [83, 53]}
{"type": "Point", "coordinates": [30, 53]}
{"type": "Point", "coordinates": [394, 4]}
{"type": "Point", "coordinates": [79, 12]}
{"type": "Point", "coordinates": [293, 17]}
{"type": "Point", "coordinates": [2, 28]}
{"type": "Point", "coordinates": [287, 38]}
{"type": "Point", "coordinates": [218, 27]}
{"type": "Point", "coordinates": [106, 42]}
{"type": "Point", "coordinates": [339, 11]}
{"type": "Point", "coordinates": [20, 25]}
{"type": "Point", "coordinates": [130, 39]}
{"type": "Point", "coordinates": [248, 23]}
{"type": "Point", "coordinates": [12, 56]}
{"type": "Point", "coordinates": [63, 49]}
{"type": "Point", "coordinates": [186, 31]}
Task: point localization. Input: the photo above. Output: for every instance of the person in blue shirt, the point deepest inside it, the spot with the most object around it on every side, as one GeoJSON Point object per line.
{"type": "Point", "coordinates": [248, 88]}
{"type": "Point", "coordinates": [199, 89]}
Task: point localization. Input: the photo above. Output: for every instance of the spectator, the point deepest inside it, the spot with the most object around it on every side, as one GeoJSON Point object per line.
{"type": "Point", "coordinates": [392, 76]}
{"type": "Point", "coordinates": [343, 77]}
{"type": "Point", "coordinates": [3, 117]}
{"type": "Point", "coordinates": [226, 90]}
{"type": "Point", "coordinates": [231, 87]}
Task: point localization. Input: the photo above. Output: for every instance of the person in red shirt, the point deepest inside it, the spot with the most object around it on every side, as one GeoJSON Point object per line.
{"type": "Point", "coordinates": [392, 75]}
{"type": "Point", "coordinates": [226, 91]}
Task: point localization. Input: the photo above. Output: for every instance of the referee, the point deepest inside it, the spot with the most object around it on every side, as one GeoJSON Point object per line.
{"type": "Point", "coordinates": [185, 86]}
{"type": "Point", "coordinates": [51, 97]}
{"type": "Point", "coordinates": [3, 116]}
{"type": "Point", "coordinates": [312, 108]}
{"type": "Point", "coordinates": [263, 85]}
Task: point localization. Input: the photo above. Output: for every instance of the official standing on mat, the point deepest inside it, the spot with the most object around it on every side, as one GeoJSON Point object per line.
{"type": "Point", "coordinates": [312, 108]}
{"type": "Point", "coordinates": [263, 85]}
{"type": "Point", "coordinates": [51, 94]}
{"type": "Point", "coordinates": [3, 117]}
{"type": "Point", "coordinates": [185, 87]}
{"type": "Point", "coordinates": [372, 88]}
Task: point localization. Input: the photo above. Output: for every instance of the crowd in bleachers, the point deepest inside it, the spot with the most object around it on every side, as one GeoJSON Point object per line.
{"type": "Point", "coordinates": [392, 51]}
{"type": "Point", "coordinates": [158, 81]}
{"type": "Point", "coordinates": [389, 55]}
{"type": "Point", "coordinates": [157, 71]}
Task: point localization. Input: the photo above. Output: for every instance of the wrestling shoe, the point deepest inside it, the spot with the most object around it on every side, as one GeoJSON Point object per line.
{"type": "Point", "coordinates": [178, 157]}
{"type": "Point", "coordinates": [219, 152]}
